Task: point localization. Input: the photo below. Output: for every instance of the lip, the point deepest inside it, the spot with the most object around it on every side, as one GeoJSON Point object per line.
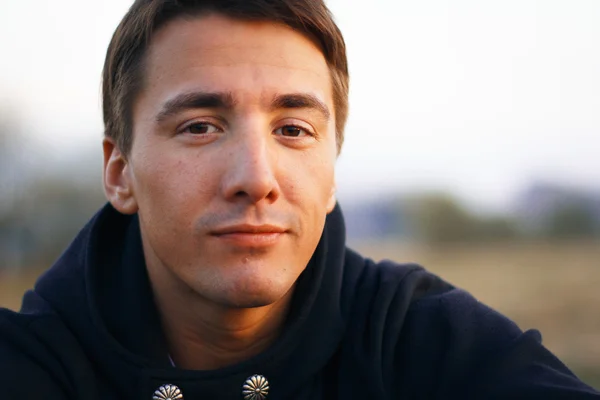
{"type": "Point", "coordinates": [246, 235]}
{"type": "Point", "coordinates": [248, 229]}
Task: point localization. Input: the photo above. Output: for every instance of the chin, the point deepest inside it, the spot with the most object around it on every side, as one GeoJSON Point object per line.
{"type": "Point", "coordinates": [251, 292]}
{"type": "Point", "coordinates": [250, 302]}
{"type": "Point", "coordinates": [252, 299]}
{"type": "Point", "coordinates": [249, 281]}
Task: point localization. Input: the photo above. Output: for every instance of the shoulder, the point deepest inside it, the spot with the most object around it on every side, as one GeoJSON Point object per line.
{"type": "Point", "coordinates": [27, 369]}
{"type": "Point", "coordinates": [424, 337]}
{"type": "Point", "coordinates": [36, 345]}
{"type": "Point", "coordinates": [389, 287]}
{"type": "Point", "coordinates": [396, 311]}
{"type": "Point", "coordinates": [409, 297]}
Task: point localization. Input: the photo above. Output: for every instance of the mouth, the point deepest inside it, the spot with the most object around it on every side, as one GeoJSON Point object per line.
{"type": "Point", "coordinates": [250, 235]}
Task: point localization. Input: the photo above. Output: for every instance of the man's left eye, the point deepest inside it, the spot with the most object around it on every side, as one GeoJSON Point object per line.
{"type": "Point", "coordinates": [291, 131]}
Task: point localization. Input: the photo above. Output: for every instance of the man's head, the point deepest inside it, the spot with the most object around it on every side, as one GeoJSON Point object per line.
{"type": "Point", "coordinates": [223, 123]}
{"type": "Point", "coordinates": [124, 67]}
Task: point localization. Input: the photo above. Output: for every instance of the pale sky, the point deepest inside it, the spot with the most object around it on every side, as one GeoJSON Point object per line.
{"type": "Point", "coordinates": [475, 96]}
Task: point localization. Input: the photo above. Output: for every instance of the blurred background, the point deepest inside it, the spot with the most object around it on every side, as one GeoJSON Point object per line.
{"type": "Point", "coordinates": [472, 147]}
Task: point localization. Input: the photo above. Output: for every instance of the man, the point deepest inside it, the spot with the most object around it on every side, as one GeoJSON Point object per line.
{"type": "Point", "coordinates": [219, 268]}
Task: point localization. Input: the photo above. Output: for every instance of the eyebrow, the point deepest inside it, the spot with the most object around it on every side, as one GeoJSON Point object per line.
{"type": "Point", "coordinates": [226, 100]}
{"type": "Point", "coordinates": [301, 100]}
{"type": "Point", "coordinates": [188, 101]}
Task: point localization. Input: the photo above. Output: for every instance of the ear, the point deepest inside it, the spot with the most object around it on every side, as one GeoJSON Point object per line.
{"type": "Point", "coordinates": [117, 179]}
{"type": "Point", "coordinates": [332, 200]}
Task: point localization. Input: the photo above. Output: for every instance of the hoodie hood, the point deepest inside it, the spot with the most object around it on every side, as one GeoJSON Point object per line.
{"type": "Point", "coordinates": [100, 289]}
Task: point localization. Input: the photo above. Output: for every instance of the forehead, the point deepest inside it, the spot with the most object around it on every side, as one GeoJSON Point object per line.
{"type": "Point", "coordinates": [247, 58]}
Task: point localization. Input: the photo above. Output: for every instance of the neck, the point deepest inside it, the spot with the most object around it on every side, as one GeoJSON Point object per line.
{"type": "Point", "coordinates": [202, 335]}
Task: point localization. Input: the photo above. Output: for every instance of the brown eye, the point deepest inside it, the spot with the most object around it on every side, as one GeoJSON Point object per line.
{"type": "Point", "coordinates": [291, 131]}
{"type": "Point", "coordinates": [200, 128]}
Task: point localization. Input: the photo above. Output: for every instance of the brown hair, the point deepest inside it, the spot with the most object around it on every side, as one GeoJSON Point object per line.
{"type": "Point", "coordinates": [122, 75]}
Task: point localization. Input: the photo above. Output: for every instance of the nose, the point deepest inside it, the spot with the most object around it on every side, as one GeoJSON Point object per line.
{"type": "Point", "coordinates": [251, 169]}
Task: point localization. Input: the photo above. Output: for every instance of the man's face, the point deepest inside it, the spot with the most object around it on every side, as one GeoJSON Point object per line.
{"type": "Point", "coordinates": [232, 165]}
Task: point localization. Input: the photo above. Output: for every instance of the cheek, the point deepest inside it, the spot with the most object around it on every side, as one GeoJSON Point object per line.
{"type": "Point", "coordinates": [322, 175]}
{"type": "Point", "coordinates": [309, 180]}
{"type": "Point", "coordinates": [176, 186]}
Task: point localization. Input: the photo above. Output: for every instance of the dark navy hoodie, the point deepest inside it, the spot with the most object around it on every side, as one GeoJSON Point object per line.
{"type": "Point", "coordinates": [356, 330]}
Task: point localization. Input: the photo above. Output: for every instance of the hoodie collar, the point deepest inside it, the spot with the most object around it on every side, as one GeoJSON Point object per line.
{"type": "Point", "coordinates": [100, 288]}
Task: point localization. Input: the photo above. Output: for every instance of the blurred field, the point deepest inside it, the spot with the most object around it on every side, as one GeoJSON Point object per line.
{"type": "Point", "coordinates": [553, 287]}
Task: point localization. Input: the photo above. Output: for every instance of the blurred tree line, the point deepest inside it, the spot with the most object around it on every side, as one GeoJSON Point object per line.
{"type": "Point", "coordinates": [544, 211]}
{"type": "Point", "coordinates": [440, 218]}
{"type": "Point", "coordinates": [42, 206]}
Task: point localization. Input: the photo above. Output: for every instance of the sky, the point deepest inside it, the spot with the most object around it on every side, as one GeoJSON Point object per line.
{"type": "Point", "coordinates": [479, 98]}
